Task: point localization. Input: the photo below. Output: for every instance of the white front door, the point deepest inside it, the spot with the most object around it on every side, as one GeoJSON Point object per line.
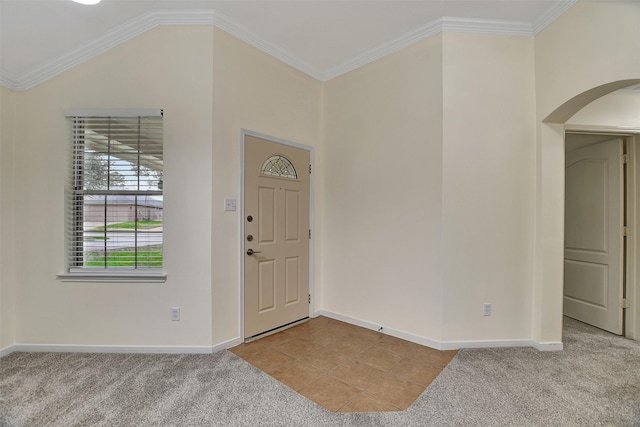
{"type": "Point", "coordinates": [276, 238]}
{"type": "Point", "coordinates": [593, 264]}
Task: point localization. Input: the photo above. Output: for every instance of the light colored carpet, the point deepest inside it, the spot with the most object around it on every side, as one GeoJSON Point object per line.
{"type": "Point", "coordinates": [594, 382]}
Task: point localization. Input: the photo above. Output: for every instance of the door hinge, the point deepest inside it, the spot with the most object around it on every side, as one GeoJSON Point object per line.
{"type": "Point", "coordinates": [309, 168]}
{"type": "Point", "coordinates": [625, 159]}
{"type": "Point", "coordinates": [309, 234]}
{"type": "Point", "coordinates": [309, 298]}
{"type": "Point", "coordinates": [624, 303]}
{"type": "Point", "coordinates": [626, 231]}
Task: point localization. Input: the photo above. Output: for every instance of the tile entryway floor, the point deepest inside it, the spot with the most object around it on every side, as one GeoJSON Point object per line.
{"type": "Point", "coordinates": [346, 368]}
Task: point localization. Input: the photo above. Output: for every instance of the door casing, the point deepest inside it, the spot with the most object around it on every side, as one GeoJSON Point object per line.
{"type": "Point", "coordinates": [633, 240]}
{"type": "Point", "coordinates": [243, 134]}
{"type": "Point", "coordinates": [632, 244]}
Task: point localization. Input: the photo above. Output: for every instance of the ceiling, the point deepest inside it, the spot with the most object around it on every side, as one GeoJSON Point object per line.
{"type": "Point", "coordinates": [323, 38]}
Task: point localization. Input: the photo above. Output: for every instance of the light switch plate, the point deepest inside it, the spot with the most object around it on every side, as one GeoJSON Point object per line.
{"type": "Point", "coordinates": [229, 204]}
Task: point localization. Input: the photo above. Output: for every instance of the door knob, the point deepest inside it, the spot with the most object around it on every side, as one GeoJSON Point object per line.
{"type": "Point", "coordinates": [251, 252]}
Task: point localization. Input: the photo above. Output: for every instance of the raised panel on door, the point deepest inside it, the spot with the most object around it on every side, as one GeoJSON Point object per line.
{"type": "Point", "coordinates": [266, 215]}
{"type": "Point", "coordinates": [587, 282]}
{"type": "Point", "coordinates": [266, 286]}
{"type": "Point", "coordinates": [292, 280]}
{"type": "Point", "coordinates": [587, 205]}
{"type": "Point", "coordinates": [292, 214]}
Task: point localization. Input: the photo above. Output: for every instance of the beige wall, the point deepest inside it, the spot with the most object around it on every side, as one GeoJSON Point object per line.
{"type": "Point", "coordinates": [252, 91]}
{"type": "Point", "coordinates": [592, 44]}
{"type": "Point", "coordinates": [432, 197]}
{"type": "Point", "coordinates": [618, 109]}
{"type": "Point", "coordinates": [169, 68]}
{"type": "Point", "coordinates": [488, 183]}
{"type": "Point", "coordinates": [7, 280]}
{"type": "Point", "coordinates": [210, 86]}
{"type": "Point", "coordinates": [429, 170]}
{"type": "Point", "coordinates": [382, 251]}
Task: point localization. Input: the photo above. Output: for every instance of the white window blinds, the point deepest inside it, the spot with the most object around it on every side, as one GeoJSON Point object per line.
{"type": "Point", "coordinates": [115, 195]}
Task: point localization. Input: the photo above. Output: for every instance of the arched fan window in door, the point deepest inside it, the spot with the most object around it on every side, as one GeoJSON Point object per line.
{"type": "Point", "coordinates": [279, 166]}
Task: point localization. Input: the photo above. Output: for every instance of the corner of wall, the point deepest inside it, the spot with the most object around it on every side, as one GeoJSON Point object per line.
{"type": "Point", "coordinates": [7, 277]}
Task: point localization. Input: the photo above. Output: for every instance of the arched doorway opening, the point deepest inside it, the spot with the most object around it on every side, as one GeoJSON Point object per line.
{"type": "Point", "coordinates": [550, 197]}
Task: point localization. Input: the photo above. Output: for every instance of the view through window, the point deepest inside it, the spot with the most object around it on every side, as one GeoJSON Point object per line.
{"type": "Point", "coordinates": [116, 200]}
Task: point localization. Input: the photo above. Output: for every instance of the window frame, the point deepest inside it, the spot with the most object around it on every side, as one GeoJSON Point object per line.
{"type": "Point", "coordinates": [75, 199]}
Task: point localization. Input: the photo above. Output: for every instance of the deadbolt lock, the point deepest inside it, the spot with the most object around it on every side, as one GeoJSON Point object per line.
{"type": "Point", "coordinates": [249, 218]}
{"type": "Point", "coordinates": [249, 237]}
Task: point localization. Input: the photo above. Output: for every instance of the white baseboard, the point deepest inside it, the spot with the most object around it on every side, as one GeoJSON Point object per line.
{"type": "Point", "coordinates": [143, 349]}
{"type": "Point", "coordinates": [140, 349]}
{"type": "Point", "coordinates": [375, 327]}
{"type": "Point", "coordinates": [438, 345]}
{"type": "Point", "coordinates": [548, 346]}
{"type": "Point", "coordinates": [442, 345]}
{"type": "Point", "coordinates": [7, 350]}
{"type": "Point", "coordinates": [456, 345]}
{"type": "Point", "coordinates": [227, 344]}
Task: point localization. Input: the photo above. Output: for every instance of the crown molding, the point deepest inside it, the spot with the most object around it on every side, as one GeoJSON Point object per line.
{"type": "Point", "coordinates": [243, 33]}
{"type": "Point", "coordinates": [464, 25]}
{"type": "Point", "coordinates": [486, 26]}
{"type": "Point", "coordinates": [424, 32]}
{"type": "Point", "coordinates": [559, 7]}
{"type": "Point", "coordinates": [111, 39]}
{"type": "Point", "coordinates": [150, 20]}
{"type": "Point", "coordinates": [8, 81]}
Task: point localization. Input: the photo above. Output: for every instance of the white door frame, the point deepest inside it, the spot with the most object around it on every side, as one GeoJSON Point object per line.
{"type": "Point", "coordinates": [243, 134]}
{"type": "Point", "coordinates": [632, 247]}
{"type": "Point", "coordinates": [632, 317]}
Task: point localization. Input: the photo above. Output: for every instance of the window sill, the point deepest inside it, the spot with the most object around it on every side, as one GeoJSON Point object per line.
{"type": "Point", "coordinates": [113, 277]}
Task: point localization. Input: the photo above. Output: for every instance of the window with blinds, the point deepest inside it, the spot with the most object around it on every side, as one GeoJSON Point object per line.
{"type": "Point", "coordinates": [115, 197]}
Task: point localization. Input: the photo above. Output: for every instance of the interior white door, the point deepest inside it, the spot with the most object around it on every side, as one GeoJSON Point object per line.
{"type": "Point", "coordinates": [276, 241]}
{"type": "Point", "coordinates": [593, 264]}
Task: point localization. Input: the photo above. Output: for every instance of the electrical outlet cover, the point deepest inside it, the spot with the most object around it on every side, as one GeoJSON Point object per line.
{"type": "Point", "coordinates": [486, 309]}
